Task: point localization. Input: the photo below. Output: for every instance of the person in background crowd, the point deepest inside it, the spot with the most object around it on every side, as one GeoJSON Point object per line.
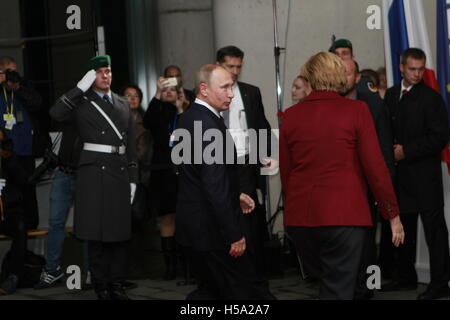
{"type": "Point", "coordinates": [420, 132]}
{"type": "Point", "coordinates": [161, 119]}
{"type": "Point", "coordinates": [382, 87]}
{"type": "Point", "coordinates": [247, 112]}
{"type": "Point", "coordinates": [173, 71]}
{"type": "Point", "coordinates": [13, 178]}
{"type": "Point", "coordinates": [300, 89]}
{"type": "Point", "coordinates": [141, 207]}
{"type": "Point", "coordinates": [20, 105]}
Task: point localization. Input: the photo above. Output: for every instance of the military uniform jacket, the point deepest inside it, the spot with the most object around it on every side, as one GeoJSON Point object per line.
{"type": "Point", "coordinates": [102, 201]}
{"type": "Point", "coordinates": [419, 123]}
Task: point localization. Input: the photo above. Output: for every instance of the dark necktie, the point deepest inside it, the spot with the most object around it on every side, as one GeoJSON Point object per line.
{"type": "Point", "coordinates": [223, 121]}
{"type": "Point", "coordinates": [106, 98]}
{"type": "Point", "coordinates": [404, 93]}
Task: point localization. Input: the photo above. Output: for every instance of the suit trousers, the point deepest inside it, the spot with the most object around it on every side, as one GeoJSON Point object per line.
{"type": "Point", "coordinates": [107, 262]}
{"type": "Point", "coordinates": [436, 236]}
{"type": "Point", "coordinates": [333, 255]}
{"type": "Point", "coordinates": [369, 252]}
{"type": "Point", "coordinates": [222, 277]}
{"type": "Point", "coordinates": [253, 224]}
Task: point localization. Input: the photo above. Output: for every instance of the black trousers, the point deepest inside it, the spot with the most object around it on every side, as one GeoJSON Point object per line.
{"type": "Point", "coordinates": [14, 227]}
{"type": "Point", "coordinates": [333, 255]}
{"type": "Point", "coordinates": [31, 213]}
{"type": "Point", "coordinates": [107, 262]}
{"type": "Point", "coordinates": [254, 225]}
{"type": "Point", "coordinates": [222, 277]}
{"type": "Point", "coordinates": [369, 252]}
{"type": "Point", "coordinates": [436, 236]}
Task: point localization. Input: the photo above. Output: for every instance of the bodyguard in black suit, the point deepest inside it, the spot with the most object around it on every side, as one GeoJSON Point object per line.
{"type": "Point", "coordinates": [210, 206]}
{"type": "Point", "coordinates": [420, 131]}
{"type": "Point", "coordinates": [247, 112]}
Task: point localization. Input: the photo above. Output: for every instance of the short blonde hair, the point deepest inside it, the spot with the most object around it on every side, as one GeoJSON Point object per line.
{"type": "Point", "coordinates": [325, 71]}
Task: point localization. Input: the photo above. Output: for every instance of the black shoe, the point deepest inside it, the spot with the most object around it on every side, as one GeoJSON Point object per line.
{"type": "Point", "coordinates": [9, 285]}
{"type": "Point", "coordinates": [399, 286]}
{"type": "Point", "coordinates": [432, 294]}
{"type": "Point", "coordinates": [366, 295]}
{"type": "Point", "coordinates": [103, 295]}
{"type": "Point", "coordinates": [117, 292]}
{"type": "Point", "coordinates": [128, 285]}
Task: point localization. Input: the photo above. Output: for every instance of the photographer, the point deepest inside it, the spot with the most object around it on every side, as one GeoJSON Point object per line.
{"type": "Point", "coordinates": [161, 119]}
{"type": "Point", "coordinates": [19, 105]}
{"type": "Point", "coordinates": [11, 214]}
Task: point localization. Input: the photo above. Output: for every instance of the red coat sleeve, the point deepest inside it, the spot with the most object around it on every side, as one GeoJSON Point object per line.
{"type": "Point", "coordinates": [374, 166]}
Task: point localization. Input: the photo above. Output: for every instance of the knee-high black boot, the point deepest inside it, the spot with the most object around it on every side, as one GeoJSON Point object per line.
{"type": "Point", "coordinates": [168, 246]}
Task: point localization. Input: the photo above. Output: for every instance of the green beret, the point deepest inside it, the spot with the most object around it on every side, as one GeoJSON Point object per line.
{"type": "Point", "coordinates": [341, 43]}
{"type": "Point", "coordinates": [99, 62]}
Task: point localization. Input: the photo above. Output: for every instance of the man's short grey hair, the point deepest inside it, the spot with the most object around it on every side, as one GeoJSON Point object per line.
{"type": "Point", "coordinates": [204, 74]}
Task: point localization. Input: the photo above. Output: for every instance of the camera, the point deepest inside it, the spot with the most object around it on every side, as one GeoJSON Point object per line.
{"type": "Point", "coordinates": [13, 76]}
{"type": "Point", "coordinates": [51, 161]}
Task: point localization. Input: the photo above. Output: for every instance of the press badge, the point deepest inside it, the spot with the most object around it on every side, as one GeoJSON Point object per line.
{"type": "Point", "coordinates": [172, 140]}
{"type": "Point", "coordinates": [9, 118]}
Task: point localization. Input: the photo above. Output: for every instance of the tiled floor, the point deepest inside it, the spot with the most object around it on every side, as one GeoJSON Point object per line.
{"type": "Point", "coordinates": [288, 287]}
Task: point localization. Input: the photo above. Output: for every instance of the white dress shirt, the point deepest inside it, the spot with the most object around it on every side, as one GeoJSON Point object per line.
{"type": "Point", "coordinates": [238, 123]}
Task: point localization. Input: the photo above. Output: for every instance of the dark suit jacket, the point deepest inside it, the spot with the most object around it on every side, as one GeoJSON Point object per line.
{"type": "Point", "coordinates": [419, 123]}
{"type": "Point", "coordinates": [328, 152]}
{"type": "Point", "coordinates": [208, 210]}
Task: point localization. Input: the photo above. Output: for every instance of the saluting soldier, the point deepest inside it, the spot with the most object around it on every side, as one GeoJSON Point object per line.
{"type": "Point", "coordinates": [106, 174]}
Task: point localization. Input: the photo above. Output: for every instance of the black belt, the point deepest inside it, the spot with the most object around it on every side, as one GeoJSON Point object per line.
{"type": "Point", "coordinates": [69, 170]}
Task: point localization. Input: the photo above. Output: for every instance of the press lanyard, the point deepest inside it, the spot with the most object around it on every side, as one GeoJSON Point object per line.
{"type": "Point", "coordinates": [8, 111]}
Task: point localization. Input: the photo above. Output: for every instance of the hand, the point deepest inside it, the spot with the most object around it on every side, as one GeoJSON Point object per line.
{"type": "Point", "coordinates": [247, 203]}
{"type": "Point", "coordinates": [398, 152]}
{"type": "Point", "coordinates": [270, 167]}
{"type": "Point", "coordinates": [2, 185]}
{"type": "Point", "coordinates": [132, 191]}
{"type": "Point", "coordinates": [238, 248]}
{"type": "Point", "coordinates": [87, 81]}
{"type": "Point", "coordinates": [398, 235]}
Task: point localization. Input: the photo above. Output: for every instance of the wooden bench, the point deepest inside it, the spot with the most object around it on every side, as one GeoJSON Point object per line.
{"type": "Point", "coordinates": [36, 233]}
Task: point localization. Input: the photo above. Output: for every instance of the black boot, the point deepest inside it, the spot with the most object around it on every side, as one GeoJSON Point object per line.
{"type": "Point", "coordinates": [170, 257]}
{"type": "Point", "coordinates": [102, 291]}
{"type": "Point", "coordinates": [117, 292]}
{"type": "Point", "coordinates": [184, 262]}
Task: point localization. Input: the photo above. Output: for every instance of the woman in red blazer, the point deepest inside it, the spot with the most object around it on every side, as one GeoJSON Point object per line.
{"type": "Point", "coordinates": [329, 152]}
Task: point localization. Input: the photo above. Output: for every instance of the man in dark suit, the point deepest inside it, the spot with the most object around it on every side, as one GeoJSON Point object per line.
{"type": "Point", "coordinates": [246, 113]}
{"type": "Point", "coordinates": [375, 105]}
{"type": "Point", "coordinates": [420, 131]}
{"type": "Point", "coordinates": [208, 208]}
{"type": "Point", "coordinates": [106, 174]}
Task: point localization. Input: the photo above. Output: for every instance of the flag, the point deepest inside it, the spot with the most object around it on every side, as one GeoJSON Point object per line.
{"type": "Point", "coordinates": [405, 27]}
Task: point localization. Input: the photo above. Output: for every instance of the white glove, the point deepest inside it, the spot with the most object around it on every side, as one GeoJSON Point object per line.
{"type": "Point", "coordinates": [87, 81]}
{"type": "Point", "coordinates": [2, 185]}
{"type": "Point", "coordinates": [133, 191]}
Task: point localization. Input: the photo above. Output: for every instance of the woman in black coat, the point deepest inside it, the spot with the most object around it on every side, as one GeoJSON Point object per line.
{"type": "Point", "coordinates": [161, 119]}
